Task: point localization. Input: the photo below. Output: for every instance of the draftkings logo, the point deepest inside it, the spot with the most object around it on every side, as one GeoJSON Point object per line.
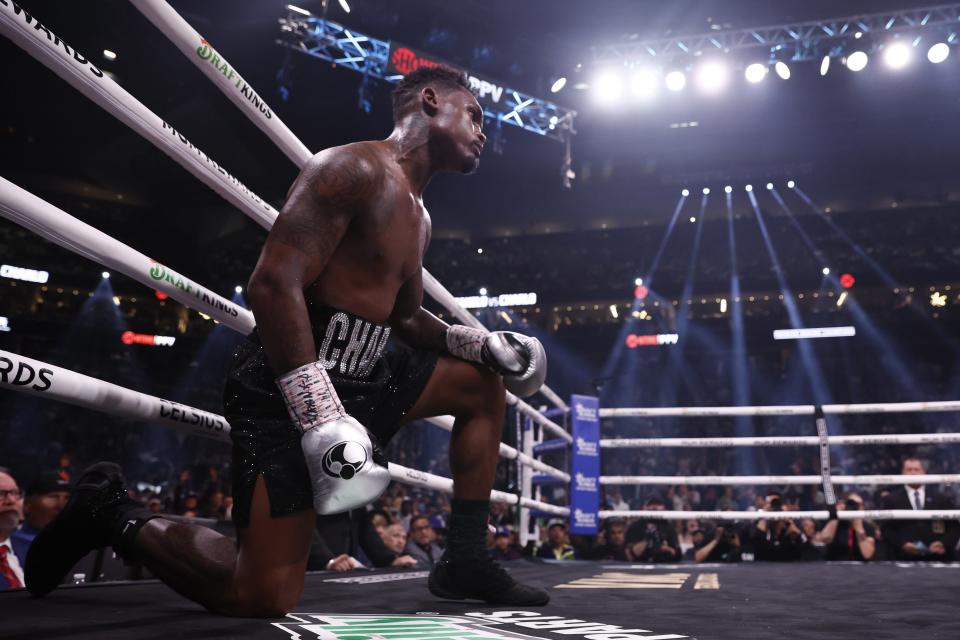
{"type": "Point", "coordinates": [367, 627]}
{"type": "Point", "coordinates": [471, 626]}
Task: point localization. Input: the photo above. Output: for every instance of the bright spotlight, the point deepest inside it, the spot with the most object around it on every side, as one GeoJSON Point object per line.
{"type": "Point", "coordinates": [238, 289]}
{"type": "Point", "coordinates": [609, 86]}
{"type": "Point", "coordinates": [769, 186]}
{"type": "Point", "coordinates": [706, 191]}
{"type": "Point", "coordinates": [558, 84]}
{"type": "Point", "coordinates": [857, 61]}
{"type": "Point", "coordinates": [824, 65]}
{"type": "Point", "coordinates": [644, 83]}
{"type": "Point", "coordinates": [685, 193]}
{"type": "Point", "coordinates": [676, 80]}
{"type": "Point", "coordinates": [109, 55]}
{"type": "Point", "coordinates": [782, 69]}
{"type": "Point", "coordinates": [748, 188]}
{"type": "Point", "coordinates": [712, 76]}
{"type": "Point", "coordinates": [728, 189]}
{"type": "Point", "coordinates": [755, 73]}
{"type": "Point", "coordinates": [298, 10]}
{"type": "Point", "coordinates": [825, 271]}
{"type": "Point", "coordinates": [791, 184]}
{"type": "Point", "coordinates": [344, 6]}
{"type": "Point", "coordinates": [938, 52]}
{"type": "Point", "coordinates": [897, 55]}
{"type": "Point", "coordinates": [638, 282]}
{"type": "Point", "coordinates": [693, 218]}
{"type": "Point", "coordinates": [483, 291]}
{"type": "Point", "coordinates": [105, 274]}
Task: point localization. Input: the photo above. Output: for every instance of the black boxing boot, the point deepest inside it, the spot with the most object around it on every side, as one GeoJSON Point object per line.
{"type": "Point", "coordinates": [99, 513]}
{"type": "Point", "coordinates": [466, 570]}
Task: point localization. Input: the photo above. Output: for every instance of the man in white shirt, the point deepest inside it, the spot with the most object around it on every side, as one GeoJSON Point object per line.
{"type": "Point", "coordinates": [11, 513]}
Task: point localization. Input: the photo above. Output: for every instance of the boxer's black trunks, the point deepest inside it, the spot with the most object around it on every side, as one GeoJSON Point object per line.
{"type": "Point", "coordinates": [377, 380]}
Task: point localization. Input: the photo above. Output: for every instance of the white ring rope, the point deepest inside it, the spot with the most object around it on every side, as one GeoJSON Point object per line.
{"type": "Point", "coordinates": [872, 514]}
{"type": "Point", "coordinates": [56, 225]}
{"type": "Point", "coordinates": [943, 478]}
{"type": "Point", "coordinates": [782, 441]}
{"type": "Point", "coordinates": [37, 378]}
{"type": "Point", "coordinates": [226, 78]}
{"type": "Point", "coordinates": [784, 410]}
{"type": "Point", "coordinates": [37, 40]}
{"type": "Point", "coordinates": [508, 452]}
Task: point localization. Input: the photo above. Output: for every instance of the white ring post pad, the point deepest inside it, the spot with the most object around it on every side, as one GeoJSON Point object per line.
{"type": "Point", "coordinates": [310, 397]}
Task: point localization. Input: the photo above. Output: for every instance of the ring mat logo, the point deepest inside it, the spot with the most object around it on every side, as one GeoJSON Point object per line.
{"type": "Point", "coordinates": [373, 627]}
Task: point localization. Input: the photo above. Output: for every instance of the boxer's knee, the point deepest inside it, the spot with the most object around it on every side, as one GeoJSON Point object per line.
{"type": "Point", "coordinates": [488, 395]}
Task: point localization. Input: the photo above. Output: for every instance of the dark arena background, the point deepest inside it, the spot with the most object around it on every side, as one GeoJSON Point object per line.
{"type": "Point", "coordinates": [734, 227]}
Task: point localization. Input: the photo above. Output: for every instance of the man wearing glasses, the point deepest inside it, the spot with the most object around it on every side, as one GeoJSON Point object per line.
{"type": "Point", "coordinates": [11, 513]}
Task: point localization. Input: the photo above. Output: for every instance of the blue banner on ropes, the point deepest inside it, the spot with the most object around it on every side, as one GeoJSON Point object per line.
{"type": "Point", "coordinates": [585, 464]}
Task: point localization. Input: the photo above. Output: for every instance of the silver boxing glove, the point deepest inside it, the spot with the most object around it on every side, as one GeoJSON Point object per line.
{"type": "Point", "coordinates": [347, 468]}
{"type": "Point", "coordinates": [520, 359]}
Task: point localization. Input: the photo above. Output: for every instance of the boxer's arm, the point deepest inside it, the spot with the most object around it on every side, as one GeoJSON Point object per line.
{"type": "Point", "coordinates": [412, 323]}
{"type": "Point", "coordinates": [332, 187]}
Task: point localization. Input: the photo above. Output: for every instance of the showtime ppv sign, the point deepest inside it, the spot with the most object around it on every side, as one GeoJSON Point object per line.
{"type": "Point", "coordinates": [129, 337]}
{"type": "Point", "coordinates": [633, 341]}
{"type": "Point", "coordinates": [403, 60]}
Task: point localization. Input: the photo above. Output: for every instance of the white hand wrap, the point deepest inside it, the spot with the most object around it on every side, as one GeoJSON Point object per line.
{"type": "Point", "coordinates": [310, 397]}
{"type": "Point", "coordinates": [466, 342]}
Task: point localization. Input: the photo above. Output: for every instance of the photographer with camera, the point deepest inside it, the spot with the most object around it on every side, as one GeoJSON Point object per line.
{"type": "Point", "coordinates": [778, 540]}
{"type": "Point", "coordinates": [849, 539]}
{"type": "Point", "coordinates": [721, 544]}
{"type": "Point", "coordinates": [653, 540]}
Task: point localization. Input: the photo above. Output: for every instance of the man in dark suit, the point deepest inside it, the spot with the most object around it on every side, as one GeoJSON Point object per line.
{"type": "Point", "coordinates": [920, 539]}
{"type": "Point", "coordinates": [11, 513]}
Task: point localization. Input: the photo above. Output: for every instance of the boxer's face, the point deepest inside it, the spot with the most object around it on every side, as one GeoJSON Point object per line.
{"type": "Point", "coordinates": [456, 130]}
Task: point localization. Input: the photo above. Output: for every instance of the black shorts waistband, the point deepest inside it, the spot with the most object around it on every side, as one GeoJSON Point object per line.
{"type": "Point", "coordinates": [347, 345]}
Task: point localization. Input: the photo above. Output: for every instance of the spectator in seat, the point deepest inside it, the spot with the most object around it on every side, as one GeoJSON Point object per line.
{"type": "Point", "coordinates": [612, 543]}
{"type": "Point", "coordinates": [920, 539]}
{"type": "Point", "coordinates": [557, 546]}
{"type": "Point", "coordinates": [653, 540]}
{"type": "Point", "coordinates": [12, 556]}
{"type": "Point", "coordinates": [720, 543]}
{"type": "Point", "coordinates": [849, 539]}
{"type": "Point", "coordinates": [503, 546]}
{"type": "Point", "coordinates": [46, 496]}
{"type": "Point", "coordinates": [778, 540]}
{"type": "Point", "coordinates": [421, 545]}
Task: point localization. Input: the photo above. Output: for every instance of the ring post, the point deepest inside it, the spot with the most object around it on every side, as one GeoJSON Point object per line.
{"type": "Point", "coordinates": [585, 464]}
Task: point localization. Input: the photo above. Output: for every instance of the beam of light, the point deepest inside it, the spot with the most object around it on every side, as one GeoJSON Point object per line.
{"type": "Point", "coordinates": [892, 362]}
{"type": "Point", "coordinates": [813, 373]}
{"type": "Point", "coordinates": [558, 85]}
{"type": "Point", "coordinates": [743, 425]}
{"type": "Point", "coordinates": [343, 5]}
{"type": "Point", "coordinates": [617, 349]}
